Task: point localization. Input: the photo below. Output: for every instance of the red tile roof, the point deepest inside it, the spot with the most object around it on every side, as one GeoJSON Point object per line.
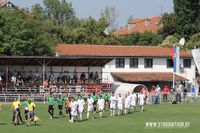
{"type": "Point", "coordinates": [145, 76]}
{"type": "Point", "coordinates": [115, 51]}
{"type": "Point", "coordinates": [141, 25]}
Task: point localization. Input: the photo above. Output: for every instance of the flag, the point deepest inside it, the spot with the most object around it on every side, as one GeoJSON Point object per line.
{"type": "Point", "coordinates": [196, 56]}
{"type": "Point", "coordinates": [176, 58]}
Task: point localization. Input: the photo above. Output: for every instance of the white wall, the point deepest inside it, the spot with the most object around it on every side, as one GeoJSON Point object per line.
{"type": "Point", "coordinates": [159, 65]}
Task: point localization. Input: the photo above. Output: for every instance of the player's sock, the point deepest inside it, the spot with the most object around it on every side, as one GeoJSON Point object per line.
{"type": "Point", "coordinates": [81, 116]}
{"type": "Point", "coordinates": [142, 107]}
{"type": "Point", "coordinates": [113, 112]}
{"type": "Point", "coordinates": [88, 115]}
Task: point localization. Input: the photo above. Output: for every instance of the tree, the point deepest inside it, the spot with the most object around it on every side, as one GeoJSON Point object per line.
{"type": "Point", "coordinates": [25, 35]}
{"type": "Point", "coordinates": [170, 41]}
{"type": "Point", "coordinates": [110, 14]}
{"type": "Point", "coordinates": [168, 23]}
{"type": "Point", "coordinates": [194, 41]}
{"type": "Point", "coordinates": [187, 17]}
{"type": "Point", "coordinates": [90, 31]}
{"type": "Point", "coordinates": [59, 10]}
{"type": "Point", "coordinates": [146, 38]}
{"type": "Point", "coordinates": [38, 12]}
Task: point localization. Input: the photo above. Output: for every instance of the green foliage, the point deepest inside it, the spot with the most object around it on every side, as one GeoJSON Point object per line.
{"type": "Point", "coordinates": [170, 41]}
{"type": "Point", "coordinates": [59, 10]}
{"type": "Point", "coordinates": [146, 38]}
{"type": "Point", "coordinates": [24, 35]}
{"type": "Point", "coordinates": [187, 17]}
{"type": "Point", "coordinates": [168, 23]}
{"type": "Point", "coordinates": [194, 41]}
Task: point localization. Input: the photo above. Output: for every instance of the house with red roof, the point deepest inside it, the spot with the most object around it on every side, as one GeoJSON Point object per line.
{"type": "Point", "coordinates": [141, 25]}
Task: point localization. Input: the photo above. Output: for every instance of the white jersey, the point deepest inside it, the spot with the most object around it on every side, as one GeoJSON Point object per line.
{"type": "Point", "coordinates": [113, 100]}
{"type": "Point", "coordinates": [100, 103]}
{"type": "Point", "coordinates": [120, 103]}
{"type": "Point", "coordinates": [90, 102]}
{"type": "Point", "coordinates": [141, 99]}
{"type": "Point", "coordinates": [127, 102]}
{"type": "Point", "coordinates": [133, 99]}
{"type": "Point", "coordinates": [74, 106]}
{"type": "Point", "coordinates": [81, 104]}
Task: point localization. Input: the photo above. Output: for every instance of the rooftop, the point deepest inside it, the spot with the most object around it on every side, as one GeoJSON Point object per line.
{"type": "Point", "coordinates": [115, 51]}
{"type": "Point", "coordinates": [141, 25]}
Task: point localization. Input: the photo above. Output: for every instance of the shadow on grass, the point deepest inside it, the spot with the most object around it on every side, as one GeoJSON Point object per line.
{"type": "Point", "coordinates": [1, 124]}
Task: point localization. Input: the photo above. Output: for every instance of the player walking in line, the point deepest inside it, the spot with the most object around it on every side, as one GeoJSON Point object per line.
{"type": "Point", "coordinates": [51, 106]}
{"type": "Point", "coordinates": [25, 104]}
{"type": "Point", "coordinates": [60, 104]}
{"type": "Point", "coordinates": [133, 101]}
{"type": "Point", "coordinates": [120, 104]}
{"type": "Point", "coordinates": [31, 112]}
{"type": "Point", "coordinates": [90, 102]}
{"type": "Point", "coordinates": [16, 112]}
{"type": "Point", "coordinates": [127, 104]}
{"type": "Point", "coordinates": [113, 100]}
{"type": "Point", "coordinates": [74, 107]}
{"type": "Point", "coordinates": [81, 104]}
{"type": "Point", "coordinates": [95, 98]}
{"type": "Point", "coordinates": [141, 98]}
{"type": "Point", "coordinates": [100, 104]}
{"type": "Point", "coordinates": [65, 100]}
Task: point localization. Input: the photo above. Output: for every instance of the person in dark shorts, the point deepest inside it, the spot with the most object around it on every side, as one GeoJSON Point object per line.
{"type": "Point", "coordinates": [51, 101]}
{"type": "Point", "coordinates": [95, 98]}
{"type": "Point", "coordinates": [60, 104]}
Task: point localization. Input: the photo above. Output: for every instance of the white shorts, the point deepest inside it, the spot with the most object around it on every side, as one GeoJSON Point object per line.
{"type": "Point", "coordinates": [112, 106]}
{"type": "Point", "coordinates": [101, 108]}
{"type": "Point", "coordinates": [133, 103]}
{"type": "Point", "coordinates": [74, 112]}
{"type": "Point", "coordinates": [80, 110]}
{"type": "Point", "coordinates": [127, 106]}
{"type": "Point", "coordinates": [141, 103]}
{"type": "Point", "coordinates": [120, 106]}
{"type": "Point", "coordinates": [90, 108]}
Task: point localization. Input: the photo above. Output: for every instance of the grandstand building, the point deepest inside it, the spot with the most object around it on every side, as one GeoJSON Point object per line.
{"type": "Point", "coordinates": [147, 65]}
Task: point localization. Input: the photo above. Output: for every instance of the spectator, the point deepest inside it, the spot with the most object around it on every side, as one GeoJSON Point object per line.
{"type": "Point", "coordinates": [144, 92]}
{"type": "Point", "coordinates": [165, 93]}
{"type": "Point", "coordinates": [66, 77]}
{"type": "Point", "coordinates": [51, 78]}
{"type": "Point", "coordinates": [75, 77]}
{"type": "Point", "coordinates": [59, 78]}
{"type": "Point", "coordinates": [1, 80]}
{"type": "Point", "coordinates": [82, 77]}
{"type": "Point", "coordinates": [185, 95]}
{"type": "Point", "coordinates": [157, 94]}
{"type": "Point", "coordinates": [178, 93]}
{"type": "Point", "coordinates": [91, 76]}
{"type": "Point", "coordinates": [36, 76]}
{"type": "Point", "coordinates": [96, 77]}
{"type": "Point", "coordinates": [13, 80]}
{"type": "Point", "coordinates": [20, 81]}
{"type": "Point", "coordinates": [193, 90]}
{"type": "Point", "coordinates": [152, 94]}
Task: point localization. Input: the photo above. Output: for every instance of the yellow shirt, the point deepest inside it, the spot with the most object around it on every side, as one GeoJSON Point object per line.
{"type": "Point", "coordinates": [16, 104]}
{"type": "Point", "coordinates": [31, 106]}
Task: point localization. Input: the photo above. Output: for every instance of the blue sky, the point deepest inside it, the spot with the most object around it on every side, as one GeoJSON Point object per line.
{"type": "Point", "coordinates": [125, 8]}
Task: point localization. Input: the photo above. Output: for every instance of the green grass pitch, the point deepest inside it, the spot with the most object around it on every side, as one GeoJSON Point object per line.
{"type": "Point", "coordinates": [131, 123]}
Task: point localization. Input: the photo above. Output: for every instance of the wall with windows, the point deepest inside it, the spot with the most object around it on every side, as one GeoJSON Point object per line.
{"type": "Point", "coordinates": [187, 66]}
